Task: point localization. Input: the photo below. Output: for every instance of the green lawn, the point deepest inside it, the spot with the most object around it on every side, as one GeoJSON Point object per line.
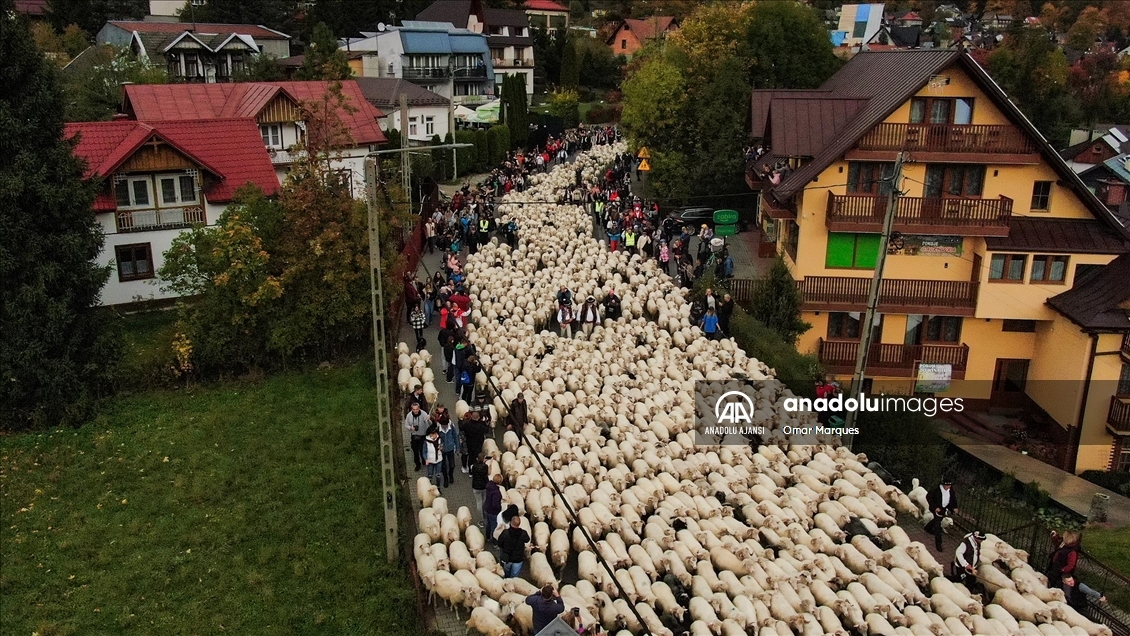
{"type": "Point", "coordinates": [241, 508]}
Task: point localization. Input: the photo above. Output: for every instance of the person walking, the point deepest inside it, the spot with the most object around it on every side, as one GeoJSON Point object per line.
{"type": "Point", "coordinates": [966, 559]}
{"type": "Point", "coordinates": [1064, 558]}
{"type": "Point", "coordinates": [467, 373]}
{"type": "Point", "coordinates": [479, 473]}
{"type": "Point", "coordinates": [943, 503]}
{"type": "Point", "coordinates": [612, 306]}
{"type": "Point", "coordinates": [475, 431]}
{"type": "Point", "coordinates": [565, 320]}
{"type": "Point", "coordinates": [433, 456]}
{"type": "Point", "coordinates": [492, 504]}
{"type": "Point", "coordinates": [449, 436]}
{"type": "Point", "coordinates": [417, 423]}
{"type": "Point", "coordinates": [709, 324]}
{"type": "Point", "coordinates": [589, 316]}
{"type": "Point", "coordinates": [419, 321]}
{"type": "Point", "coordinates": [725, 313]}
{"type": "Point", "coordinates": [512, 546]}
{"type": "Point", "coordinates": [547, 605]}
{"type": "Point", "coordinates": [416, 397]}
{"type": "Point", "coordinates": [519, 414]}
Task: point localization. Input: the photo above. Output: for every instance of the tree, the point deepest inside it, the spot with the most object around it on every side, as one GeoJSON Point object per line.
{"type": "Point", "coordinates": [1033, 72]}
{"type": "Point", "coordinates": [1088, 26]}
{"type": "Point", "coordinates": [789, 47]}
{"type": "Point", "coordinates": [548, 52]}
{"type": "Point", "coordinates": [95, 96]}
{"type": "Point", "coordinates": [654, 104]}
{"type": "Point", "coordinates": [713, 33]}
{"type": "Point", "coordinates": [570, 66]}
{"type": "Point", "coordinates": [323, 59]}
{"type": "Point", "coordinates": [275, 14]}
{"type": "Point", "coordinates": [1094, 81]}
{"type": "Point", "coordinates": [1052, 17]}
{"type": "Point", "coordinates": [515, 109]}
{"type": "Point", "coordinates": [565, 104]}
{"type": "Point", "coordinates": [722, 130]}
{"type": "Point", "coordinates": [91, 15]}
{"type": "Point", "coordinates": [599, 68]}
{"type": "Point", "coordinates": [776, 302]}
{"type": "Point", "coordinates": [263, 67]}
{"type": "Point", "coordinates": [57, 346]}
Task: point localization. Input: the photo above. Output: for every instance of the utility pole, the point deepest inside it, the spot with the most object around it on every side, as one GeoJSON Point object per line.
{"type": "Point", "coordinates": [873, 299]}
{"type": "Point", "coordinates": [380, 361]}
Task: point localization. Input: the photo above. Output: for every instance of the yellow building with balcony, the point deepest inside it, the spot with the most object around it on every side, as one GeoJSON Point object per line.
{"type": "Point", "coordinates": [992, 233]}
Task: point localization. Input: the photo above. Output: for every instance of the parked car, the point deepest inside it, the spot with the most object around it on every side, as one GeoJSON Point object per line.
{"type": "Point", "coordinates": [696, 216]}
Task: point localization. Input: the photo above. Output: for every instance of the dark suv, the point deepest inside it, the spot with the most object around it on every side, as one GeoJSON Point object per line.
{"type": "Point", "coordinates": [694, 217]}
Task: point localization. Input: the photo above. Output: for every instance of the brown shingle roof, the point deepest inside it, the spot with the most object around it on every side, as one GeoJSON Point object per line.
{"type": "Point", "coordinates": [1093, 303]}
{"type": "Point", "coordinates": [802, 126]}
{"type": "Point", "coordinates": [887, 79]}
{"type": "Point", "coordinates": [1070, 236]}
{"type": "Point", "coordinates": [647, 28]}
{"type": "Point", "coordinates": [384, 93]}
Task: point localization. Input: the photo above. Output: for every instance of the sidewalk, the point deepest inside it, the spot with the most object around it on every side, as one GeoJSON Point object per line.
{"type": "Point", "coordinates": [1066, 489]}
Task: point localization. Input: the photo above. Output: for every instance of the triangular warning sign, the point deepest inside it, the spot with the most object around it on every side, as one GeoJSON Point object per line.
{"type": "Point", "coordinates": [644, 165]}
{"type": "Point", "coordinates": [644, 153]}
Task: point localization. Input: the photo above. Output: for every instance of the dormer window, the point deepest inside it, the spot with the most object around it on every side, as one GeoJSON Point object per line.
{"type": "Point", "coordinates": [941, 110]}
{"type": "Point", "coordinates": [272, 135]}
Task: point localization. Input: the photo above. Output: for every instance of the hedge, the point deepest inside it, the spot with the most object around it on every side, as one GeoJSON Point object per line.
{"type": "Point", "coordinates": [498, 144]}
{"type": "Point", "coordinates": [482, 151]}
{"type": "Point", "coordinates": [468, 157]}
{"type": "Point", "coordinates": [1118, 482]}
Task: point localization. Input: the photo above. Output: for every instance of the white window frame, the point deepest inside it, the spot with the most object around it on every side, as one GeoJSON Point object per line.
{"type": "Point", "coordinates": [429, 125]}
{"type": "Point", "coordinates": [412, 126]}
{"type": "Point", "coordinates": [178, 189]}
{"type": "Point", "coordinates": [272, 135]}
{"type": "Point", "coordinates": [131, 188]}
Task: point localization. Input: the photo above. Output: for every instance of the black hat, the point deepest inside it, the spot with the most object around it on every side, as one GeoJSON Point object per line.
{"type": "Point", "coordinates": [978, 535]}
{"type": "Point", "coordinates": [510, 513]}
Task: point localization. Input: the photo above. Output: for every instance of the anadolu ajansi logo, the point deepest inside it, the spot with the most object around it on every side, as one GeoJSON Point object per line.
{"type": "Point", "coordinates": [733, 411]}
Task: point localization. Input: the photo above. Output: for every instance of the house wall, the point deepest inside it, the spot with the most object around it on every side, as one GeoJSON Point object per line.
{"type": "Point", "coordinates": [110, 34]}
{"type": "Point", "coordinates": [439, 113]}
{"type": "Point", "coordinates": [277, 48]}
{"type": "Point", "coordinates": [548, 20]}
{"type": "Point", "coordinates": [165, 7]}
{"type": "Point", "coordinates": [1094, 440]}
{"type": "Point", "coordinates": [625, 42]}
{"type": "Point", "coordinates": [116, 291]}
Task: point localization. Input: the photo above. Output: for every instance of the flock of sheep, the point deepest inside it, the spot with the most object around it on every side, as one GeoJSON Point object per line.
{"type": "Point", "coordinates": [720, 540]}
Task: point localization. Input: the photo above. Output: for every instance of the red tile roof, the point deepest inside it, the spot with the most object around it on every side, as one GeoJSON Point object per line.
{"type": "Point", "coordinates": [161, 102]}
{"type": "Point", "coordinates": [647, 28]}
{"type": "Point", "coordinates": [544, 5]}
{"type": "Point", "coordinates": [254, 30]}
{"type": "Point", "coordinates": [230, 149]}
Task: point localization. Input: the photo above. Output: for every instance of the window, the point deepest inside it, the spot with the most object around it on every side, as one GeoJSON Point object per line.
{"type": "Point", "coordinates": [1019, 326]}
{"type": "Point", "coordinates": [1122, 459]}
{"type": "Point", "coordinates": [792, 238]}
{"type": "Point", "coordinates": [177, 189]}
{"type": "Point", "coordinates": [868, 177]}
{"type": "Point", "coordinates": [941, 110]}
{"type": "Point", "coordinates": [954, 180]}
{"type": "Point", "coordinates": [1041, 195]}
{"type": "Point", "coordinates": [857, 251]}
{"type": "Point", "coordinates": [623, 44]}
{"type": "Point", "coordinates": [927, 329]}
{"type": "Point", "coordinates": [1010, 375]}
{"type": "Point", "coordinates": [412, 126]}
{"type": "Point", "coordinates": [860, 29]}
{"type": "Point", "coordinates": [1008, 267]}
{"type": "Point", "coordinates": [1049, 269]}
{"type": "Point", "coordinates": [272, 135]}
{"type": "Point", "coordinates": [135, 262]}
{"type": "Point", "coordinates": [844, 325]}
{"type": "Point", "coordinates": [429, 125]}
{"type": "Point", "coordinates": [132, 193]}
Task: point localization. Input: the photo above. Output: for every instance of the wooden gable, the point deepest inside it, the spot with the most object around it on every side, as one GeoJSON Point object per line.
{"type": "Point", "coordinates": [280, 110]}
{"type": "Point", "coordinates": [155, 155]}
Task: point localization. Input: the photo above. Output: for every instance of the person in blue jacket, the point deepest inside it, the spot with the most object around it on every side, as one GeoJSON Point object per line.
{"type": "Point", "coordinates": [709, 324]}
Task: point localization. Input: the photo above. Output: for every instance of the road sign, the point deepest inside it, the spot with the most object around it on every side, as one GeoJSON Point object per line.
{"type": "Point", "coordinates": [644, 165]}
{"type": "Point", "coordinates": [644, 153]}
{"type": "Point", "coordinates": [725, 230]}
{"type": "Point", "coordinates": [725, 217]}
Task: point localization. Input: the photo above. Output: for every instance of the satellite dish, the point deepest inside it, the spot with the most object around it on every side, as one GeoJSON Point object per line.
{"type": "Point", "coordinates": [381, 27]}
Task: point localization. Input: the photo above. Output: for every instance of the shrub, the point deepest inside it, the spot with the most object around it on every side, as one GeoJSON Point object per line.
{"type": "Point", "coordinates": [498, 144]}
{"type": "Point", "coordinates": [906, 444]}
{"type": "Point", "coordinates": [468, 157]}
{"type": "Point", "coordinates": [603, 114]}
{"type": "Point", "coordinates": [1118, 482]}
{"type": "Point", "coordinates": [482, 150]}
{"type": "Point", "coordinates": [798, 371]}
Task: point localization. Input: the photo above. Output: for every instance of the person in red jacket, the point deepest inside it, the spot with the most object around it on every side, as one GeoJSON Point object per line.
{"type": "Point", "coordinates": [461, 300]}
{"type": "Point", "coordinates": [1064, 558]}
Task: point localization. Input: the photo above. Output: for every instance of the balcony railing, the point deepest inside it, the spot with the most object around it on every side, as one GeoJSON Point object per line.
{"type": "Point", "coordinates": [892, 360]}
{"type": "Point", "coordinates": [512, 62]}
{"type": "Point", "coordinates": [281, 157]}
{"type": "Point", "coordinates": [438, 73]}
{"type": "Point", "coordinates": [920, 215]}
{"type": "Point", "coordinates": [471, 73]}
{"type": "Point", "coordinates": [909, 296]}
{"type": "Point", "coordinates": [965, 138]}
{"type": "Point", "coordinates": [1118, 418]}
{"type": "Point", "coordinates": [472, 100]}
{"type": "Point", "coordinates": [159, 218]}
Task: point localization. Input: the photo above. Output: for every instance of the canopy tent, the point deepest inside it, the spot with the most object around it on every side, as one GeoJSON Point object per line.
{"type": "Point", "coordinates": [488, 113]}
{"type": "Point", "coordinates": [462, 113]}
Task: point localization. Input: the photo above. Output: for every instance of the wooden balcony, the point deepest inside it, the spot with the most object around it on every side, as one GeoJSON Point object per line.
{"type": "Point", "coordinates": [902, 296]}
{"type": "Point", "coordinates": [159, 218]}
{"type": "Point", "coordinates": [1118, 418]}
{"type": "Point", "coordinates": [891, 360]}
{"type": "Point", "coordinates": [962, 142]}
{"type": "Point", "coordinates": [920, 215]}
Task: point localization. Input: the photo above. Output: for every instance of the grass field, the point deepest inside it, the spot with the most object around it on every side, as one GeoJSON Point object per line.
{"type": "Point", "coordinates": [244, 508]}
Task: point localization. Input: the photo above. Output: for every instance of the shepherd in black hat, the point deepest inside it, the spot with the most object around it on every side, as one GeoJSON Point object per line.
{"type": "Point", "coordinates": [943, 503]}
